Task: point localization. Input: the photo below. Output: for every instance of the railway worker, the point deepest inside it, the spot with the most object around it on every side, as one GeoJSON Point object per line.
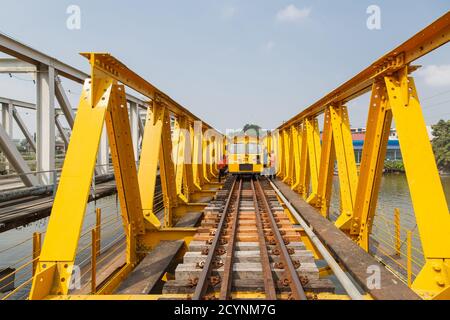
{"type": "Point", "coordinates": [223, 167]}
{"type": "Point", "coordinates": [266, 162]}
{"type": "Point", "coordinates": [272, 165]}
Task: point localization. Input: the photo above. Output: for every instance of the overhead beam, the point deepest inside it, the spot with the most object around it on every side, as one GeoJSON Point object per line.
{"type": "Point", "coordinates": [12, 65]}
{"type": "Point", "coordinates": [115, 69]}
{"type": "Point", "coordinates": [25, 53]}
{"type": "Point", "coordinates": [32, 56]}
{"type": "Point", "coordinates": [429, 39]}
{"type": "Point", "coordinates": [18, 103]}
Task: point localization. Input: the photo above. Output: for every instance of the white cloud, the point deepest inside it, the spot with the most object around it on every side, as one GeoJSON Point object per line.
{"type": "Point", "coordinates": [291, 13]}
{"type": "Point", "coordinates": [228, 12]}
{"type": "Point", "coordinates": [436, 76]}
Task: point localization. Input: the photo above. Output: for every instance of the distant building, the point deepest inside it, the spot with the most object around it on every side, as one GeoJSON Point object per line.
{"type": "Point", "coordinates": [393, 148]}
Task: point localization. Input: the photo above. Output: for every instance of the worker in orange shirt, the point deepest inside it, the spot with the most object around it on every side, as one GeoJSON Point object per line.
{"type": "Point", "coordinates": [223, 167]}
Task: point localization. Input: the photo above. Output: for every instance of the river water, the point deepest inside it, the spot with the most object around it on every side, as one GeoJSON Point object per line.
{"type": "Point", "coordinates": [16, 245]}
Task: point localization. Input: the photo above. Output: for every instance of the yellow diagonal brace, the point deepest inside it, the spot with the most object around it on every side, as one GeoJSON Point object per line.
{"type": "Point", "coordinates": [55, 265]}
{"type": "Point", "coordinates": [167, 172]}
{"type": "Point", "coordinates": [281, 166]}
{"type": "Point", "coordinates": [345, 156]}
{"type": "Point", "coordinates": [372, 163]}
{"type": "Point", "coordinates": [291, 160]}
{"type": "Point", "coordinates": [326, 170]}
{"type": "Point", "coordinates": [148, 164]}
{"type": "Point", "coordinates": [122, 154]}
{"type": "Point", "coordinates": [427, 194]}
{"type": "Point", "coordinates": [296, 144]}
{"type": "Point", "coordinates": [187, 156]}
{"type": "Point", "coordinates": [205, 160]}
{"type": "Point", "coordinates": [197, 167]}
{"type": "Point", "coordinates": [180, 139]}
{"type": "Point", "coordinates": [303, 188]}
{"type": "Point", "coordinates": [314, 154]}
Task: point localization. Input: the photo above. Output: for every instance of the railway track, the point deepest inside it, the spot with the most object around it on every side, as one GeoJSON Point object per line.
{"type": "Point", "coordinates": [247, 244]}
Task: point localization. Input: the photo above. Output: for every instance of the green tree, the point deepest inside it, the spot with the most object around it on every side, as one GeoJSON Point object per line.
{"type": "Point", "coordinates": [441, 144]}
{"type": "Point", "coordinates": [252, 128]}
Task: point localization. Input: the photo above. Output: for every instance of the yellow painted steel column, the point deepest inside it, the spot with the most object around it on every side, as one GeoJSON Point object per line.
{"type": "Point", "coordinates": [212, 152]}
{"type": "Point", "coordinates": [291, 160]}
{"type": "Point", "coordinates": [181, 137]}
{"type": "Point", "coordinates": [314, 154]}
{"type": "Point", "coordinates": [188, 160]}
{"type": "Point", "coordinates": [280, 156]}
{"type": "Point", "coordinates": [346, 164]}
{"type": "Point", "coordinates": [372, 163]}
{"type": "Point", "coordinates": [427, 194]}
{"type": "Point", "coordinates": [296, 147]}
{"type": "Point", "coordinates": [286, 155]}
{"type": "Point", "coordinates": [326, 171]}
{"type": "Point", "coordinates": [197, 168]}
{"type": "Point", "coordinates": [206, 159]}
{"type": "Point", "coordinates": [55, 265]}
{"type": "Point", "coordinates": [167, 172]}
{"type": "Point", "coordinates": [304, 163]}
{"type": "Point", "coordinates": [122, 154]}
{"type": "Point", "coordinates": [148, 164]}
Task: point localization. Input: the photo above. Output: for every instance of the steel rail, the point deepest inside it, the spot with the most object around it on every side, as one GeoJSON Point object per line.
{"type": "Point", "coordinates": [202, 283]}
{"type": "Point", "coordinates": [225, 286]}
{"type": "Point", "coordinates": [269, 283]}
{"type": "Point", "coordinates": [298, 293]}
{"type": "Point", "coordinates": [342, 277]}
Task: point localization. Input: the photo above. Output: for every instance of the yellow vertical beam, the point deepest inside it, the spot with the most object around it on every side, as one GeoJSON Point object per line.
{"type": "Point", "coordinates": [122, 154]}
{"type": "Point", "coordinates": [427, 194]}
{"type": "Point", "coordinates": [55, 265]}
{"type": "Point", "coordinates": [216, 153]}
{"type": "Point", "coordinates": [167, 172]}
{"type": "Point", "coordinates": [372, 163]}
{"type": "Point", "coordinates": [268, 142]}
{"type": "Point", "coordinates": [346, 164]}
{"type": "Point", "coordinates": [212, 154]}
{"type": "Point", "coordinates": [197, 164]}
{"type": "Point", "coordinates": [188, 154]}
{"type": "Point", "coordinates": [291, 160]}
{"type": "Point", "coordinates": [296, 148]}
{"type": "Point", "coordinates": [206, 158]}
{"type": "Point", "coordinates": [303, 188]}
{"type": "Point", "coordinates": [326, 170]}
{"type": "Point", "coordinates": [281, 167]}
{"type": "Point", "coordinates": [314, 154]}
{"type": "Point", "coordinates": [180, 141]}
{"type": "Point", "coordinates": [148, 164]}
{"type": "Point", "coordinates": [286, 155]}
{"type": "Point", "coordinates": [278, 141]}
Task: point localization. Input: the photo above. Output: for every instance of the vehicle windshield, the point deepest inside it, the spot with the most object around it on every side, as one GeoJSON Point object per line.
{"type": "Point", "coordinates": [239, 148]}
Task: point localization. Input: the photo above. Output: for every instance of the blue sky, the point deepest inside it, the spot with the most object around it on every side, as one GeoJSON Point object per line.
{"type": "Point", "coordinates": [233, 62]}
